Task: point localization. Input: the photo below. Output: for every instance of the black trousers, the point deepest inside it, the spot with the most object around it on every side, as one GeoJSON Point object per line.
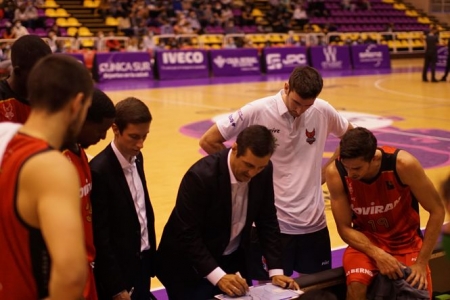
{"type": "Point", "coordinates": [429, 63]}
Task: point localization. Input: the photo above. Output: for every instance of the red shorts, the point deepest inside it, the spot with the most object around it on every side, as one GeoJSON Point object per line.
{"type": "Point", "coordinates": [361, 268]}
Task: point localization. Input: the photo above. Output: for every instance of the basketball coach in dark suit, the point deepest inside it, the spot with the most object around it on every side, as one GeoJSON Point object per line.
{"type": "Point", "coordinates": [123, 219]}
{"type": "Point", "coordinates": [204, 248]}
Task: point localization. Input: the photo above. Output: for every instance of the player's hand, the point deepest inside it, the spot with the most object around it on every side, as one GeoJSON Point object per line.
{"type": "Point", "coordinates": [123, 295]}
{"type": "Point", "coordinates": [233, 285]}
{"type": "Point", "coordinates": [418, 276]}
{"type": "Point", "coordinates": [285, 282]}
{"type": "Point", "coordinates": [389, 265]}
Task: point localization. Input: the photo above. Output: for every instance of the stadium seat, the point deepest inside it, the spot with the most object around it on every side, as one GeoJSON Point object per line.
{"type": "Point", "coordinates": [91, 3]}
{"type": "Point", "coordinates": [73, 22]}
{"type": "Point", "coordinates": [88, 43]}
{"type": "Point", "coordinates": [61, 22]}
{"type": "Point", "coordinates": [61, 12]}
{"type": "Point", "coordinates": [71, 31]}
{"type": "Point", "coordinates": [84, 31]}
{"type": "Point", "coordinates": [111, 21]}
{"type": "Point", "coordinates": [50, 12]}
{"type": "Point", "coordinates": [50, 3]}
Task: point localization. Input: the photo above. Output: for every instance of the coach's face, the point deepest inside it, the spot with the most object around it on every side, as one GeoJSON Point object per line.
{"type": "Point", "coordinates": [248, 165]}
{"type": "Point", "coordinates": [131, 140]}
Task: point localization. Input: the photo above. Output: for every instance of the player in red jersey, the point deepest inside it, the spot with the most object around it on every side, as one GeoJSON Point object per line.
{"type": "Point", "coordinates": [25, 52]}
{"type": "Point", "coordinates": [42, 251]}
{"type": "Point", "coordinates": [374, 198]}
{"type": "Point", "coordinates": [99, 119]}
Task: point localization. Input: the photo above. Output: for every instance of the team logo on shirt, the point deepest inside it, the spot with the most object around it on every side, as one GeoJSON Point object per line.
{"type": "Point", "coordinates": [389, 185]}
{"type": "Point", "coordinates": [310, 136]}
{"type": "Point", "coordinates": [232, 120]}
{"type": "Point", "coordinates": [8, 110]}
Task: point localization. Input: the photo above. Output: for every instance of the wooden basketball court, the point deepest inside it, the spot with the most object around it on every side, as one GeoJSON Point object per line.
{"type": "Point", "coordinates": [413, 109]}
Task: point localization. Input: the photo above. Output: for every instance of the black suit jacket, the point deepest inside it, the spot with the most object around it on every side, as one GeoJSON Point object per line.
{"type": "Point", "coordinates": [198, 230]}
{"type": "Point", "coordinates": [117, 234]}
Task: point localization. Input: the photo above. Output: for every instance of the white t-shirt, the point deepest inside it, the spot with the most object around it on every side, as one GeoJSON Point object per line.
{"type": "Point", "coordinates": [297, 160]}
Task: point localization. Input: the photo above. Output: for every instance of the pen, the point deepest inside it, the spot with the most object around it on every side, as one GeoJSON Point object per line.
{"type": "Point", "coordinates": [131, 291]}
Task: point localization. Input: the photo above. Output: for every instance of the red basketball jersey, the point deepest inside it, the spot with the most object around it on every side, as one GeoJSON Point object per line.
{"type": "Point", "coordinates": [24, 259]}
{"type": "Point", "coordinates": [385, 209]}
{"type": "Point", "coordinates": [82, 165]}
{"type": "Point", "coordinates": [12, 109]}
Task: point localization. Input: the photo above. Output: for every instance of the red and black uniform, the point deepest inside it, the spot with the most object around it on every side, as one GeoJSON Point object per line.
{"type": "Point", "coordinates": [81, 163]}
{"type": "Point", "coordinates": [24, 259]}
{"type": "Point", "coordinates": [387, 213]}
{"type": "Point", "coordinates": [12, 108]}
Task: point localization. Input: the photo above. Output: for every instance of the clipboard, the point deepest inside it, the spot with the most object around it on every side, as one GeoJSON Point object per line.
{"type": "Point", "coordinates": [265, 291]}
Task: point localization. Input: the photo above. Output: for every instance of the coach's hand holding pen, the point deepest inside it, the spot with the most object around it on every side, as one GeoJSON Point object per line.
{"type": "Point", "coordinates": [285, 282]}
{"type": "Point", "coordinates": [233, 285]}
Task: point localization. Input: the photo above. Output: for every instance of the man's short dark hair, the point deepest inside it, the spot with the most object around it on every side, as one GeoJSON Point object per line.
{"type": "Point", "coordinates": [358, 142]}
{"type": "Point", "coordinates": [306, 82]}
{"type": "Point", "coordinates": [258, 139]}
{"type": "Point", "coordinates": [55, 80]}
{"type": "Point", "coordinates": [101, 108]}
{"type": "Point", "coordinates": [27, 50]}
{"type": "Point", "coordinates": [131, 111]}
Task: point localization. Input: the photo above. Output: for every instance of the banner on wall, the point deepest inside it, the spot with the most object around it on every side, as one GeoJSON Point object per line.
{"type": "Point", "coordinates": [442, 57]}
{"type": "Point", "coordinates": [284, 60]}
{"type": "Point", "coordinates": [235, 62]}
{"type": "Point", "coordinates": [370, 56]}
{"type": "Point", "coordinates": [122, 65]}
{"type": "Point", "coordinates": [182, 64]}
{"type": "Point", "coordinates": [330, 57]}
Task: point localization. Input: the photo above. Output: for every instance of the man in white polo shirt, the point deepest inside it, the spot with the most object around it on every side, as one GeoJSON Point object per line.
{"type": "Point", "coordinates": [301, 124]}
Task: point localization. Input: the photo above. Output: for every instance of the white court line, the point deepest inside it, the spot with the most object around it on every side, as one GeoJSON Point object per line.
{"type": "Point", "coordinates": [378, 82]}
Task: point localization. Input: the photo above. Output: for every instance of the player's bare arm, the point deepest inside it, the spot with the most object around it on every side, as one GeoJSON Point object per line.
{"type": "Point", "coordinates": [412, 174]}
{"type": "Point", "coordinates": [212, 140]}
{"type": "Point", "coordinates": [50, 183]}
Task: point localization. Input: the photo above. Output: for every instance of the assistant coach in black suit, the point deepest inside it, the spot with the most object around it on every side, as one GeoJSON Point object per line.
{"type": "Point", "coordinates": [122, 215]}
{"type": "Point", "coordinates": [204, 249]}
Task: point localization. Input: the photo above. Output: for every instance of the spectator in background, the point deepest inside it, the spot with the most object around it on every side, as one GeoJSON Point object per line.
{"type": "Point", "coordinates": [111, 43]}
{"type": "Point", "coordinates": [32, 15]}
{"type": "Point", "coordinates": [431, 43]}
{"type": "Point", "coordinates": [166, 27]}
{"type": "Point", "coordinates": [99, 43]}
{"type": "Point", "coordinates": [133, 44]}
{"type": "Point", "coordinates": [229, 43]}
{"type": "Point", "coordinates": [18, 30]}
{"type": "Point", "coordinates": [247, 18]}
{"type": "Point", "coordinates": [8, 34]}
{"type": "Point", "coordinates": [299, 16]}
{"type": "Point", "coordinates": [51, 41]}
{"type": "Point", "coordinates": [124, 25]}
{"type": "Point", "coordinates": [347, 5]}
{"type": "Point", "coordinates": [447, 64]}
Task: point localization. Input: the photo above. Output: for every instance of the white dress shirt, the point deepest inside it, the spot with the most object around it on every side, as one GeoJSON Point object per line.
{"type": "Point", "coordinates": [137, 192]}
